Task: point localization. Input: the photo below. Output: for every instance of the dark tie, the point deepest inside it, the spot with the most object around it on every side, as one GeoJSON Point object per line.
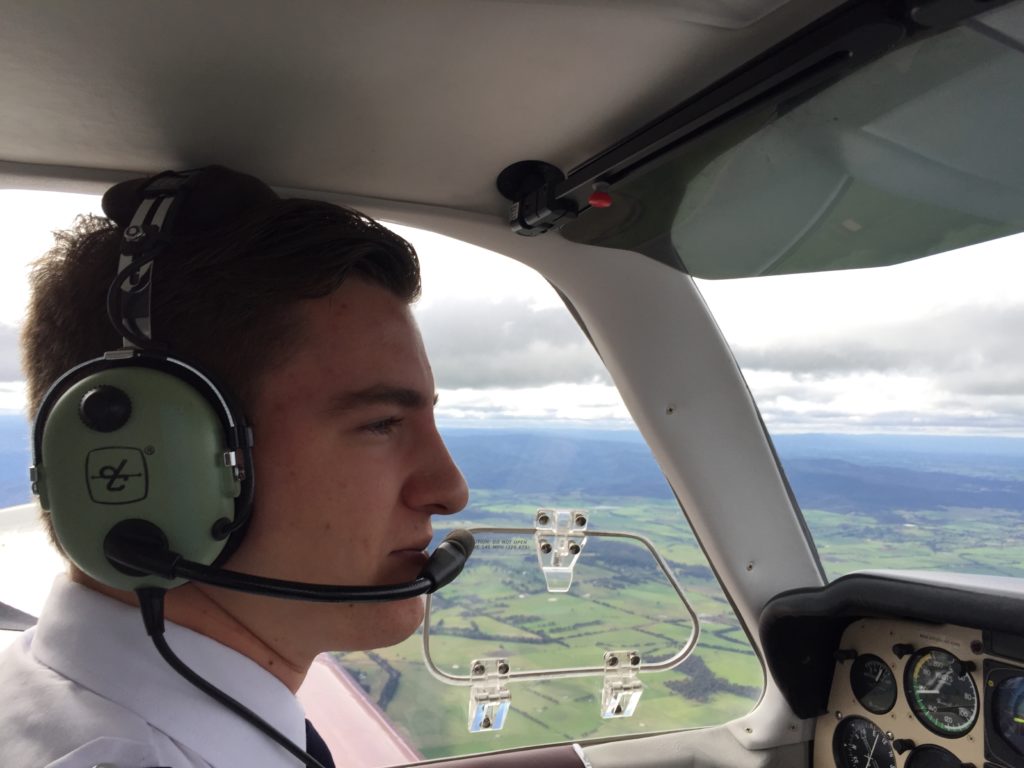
{"type": "Point", "coordinates": [317, 747]}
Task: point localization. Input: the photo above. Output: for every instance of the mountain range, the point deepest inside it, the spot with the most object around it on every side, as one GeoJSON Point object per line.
{"type": "Point", "coordinates": [870, 474]}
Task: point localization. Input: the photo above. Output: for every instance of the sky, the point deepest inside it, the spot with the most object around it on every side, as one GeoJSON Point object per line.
{"type": "Point", "coordinates": [931, 346]}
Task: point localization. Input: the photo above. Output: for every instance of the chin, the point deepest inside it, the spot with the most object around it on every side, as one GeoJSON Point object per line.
{"type": "Point", "coordinates": [385, 624]}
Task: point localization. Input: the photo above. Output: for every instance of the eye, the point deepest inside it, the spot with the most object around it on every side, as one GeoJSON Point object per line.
{"type": "Point", "coordinates": [382, 427]}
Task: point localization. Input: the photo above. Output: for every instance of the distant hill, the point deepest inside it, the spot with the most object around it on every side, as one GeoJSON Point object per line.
{"type": "Point", "coordinates": [876, 474]}
{"type": "Point", "coordinates": [872, 474]}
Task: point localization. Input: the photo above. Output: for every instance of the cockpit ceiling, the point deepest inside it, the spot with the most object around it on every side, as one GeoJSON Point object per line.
{"type": "Point", "coordinates": [403, 99]}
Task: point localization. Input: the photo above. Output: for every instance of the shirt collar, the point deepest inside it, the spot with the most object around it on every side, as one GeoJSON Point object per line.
{"type": "Point", "coordinates": [101, 644]}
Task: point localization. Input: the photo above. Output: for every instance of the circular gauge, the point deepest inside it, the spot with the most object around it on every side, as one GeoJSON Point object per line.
{"type": "Point", "coordinates": [859, 743]}
{"type": "Point", "coordinates": [1008, 706]}
{"type": "Point", "coordinates": [941, 692]}
{"type": "Point", "coordinates": [931, 756]}
{"type": "Point", "coordinates": [873, 683]}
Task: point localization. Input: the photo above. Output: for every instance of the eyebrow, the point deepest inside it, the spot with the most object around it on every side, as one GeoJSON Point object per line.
{"type": "Point", "coordinates": [381, 394]}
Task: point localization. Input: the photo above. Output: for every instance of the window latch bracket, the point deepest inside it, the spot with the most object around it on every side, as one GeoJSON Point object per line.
{"type": "Point", "coordinates": [489, 696]}
{"type": "Point", "coordinates": [622, 687]}
{"type": "Point", "coordinates": [559, 536]}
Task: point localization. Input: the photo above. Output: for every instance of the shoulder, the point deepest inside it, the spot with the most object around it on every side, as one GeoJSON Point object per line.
{"type": "Point", "coordinates": [49, 720]}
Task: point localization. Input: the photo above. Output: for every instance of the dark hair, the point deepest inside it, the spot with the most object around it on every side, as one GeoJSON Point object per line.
{"type": "Point", "coordinates": [221, 298]}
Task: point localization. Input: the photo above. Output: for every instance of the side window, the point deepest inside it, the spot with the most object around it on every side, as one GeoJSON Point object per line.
{"type": "Point", "coordinates": [533, 420]}
{"type": "Point", "coordinates": [531, 417]}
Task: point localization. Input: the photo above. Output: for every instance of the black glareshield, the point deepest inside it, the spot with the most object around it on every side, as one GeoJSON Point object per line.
{"type": "Point", "coordinates": [132, 546]}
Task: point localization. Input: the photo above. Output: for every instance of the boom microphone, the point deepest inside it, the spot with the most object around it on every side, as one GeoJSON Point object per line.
{"type": "Point", "coordinates": [140, 548]}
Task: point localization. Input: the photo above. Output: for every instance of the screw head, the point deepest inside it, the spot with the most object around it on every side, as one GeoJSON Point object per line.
{"type": "Point", "coordinates": [543, 519]}
{"type": "Point", "coordinates": [634, 660]}
{"type": "Point", "coordinates": [503, 668]}
{"type": "Point", "coordinates": [581, 520]}
{"type": "Point", "coordinates": [613, 661]}
{"type": "Point", "coordinates": [574, 548]}
{"type": "Point", "coordinates": [485, 723]}
{"type": "Point", "coordinates": [478, 669]}
{"type": "Point", "coordinates": [545, 547]}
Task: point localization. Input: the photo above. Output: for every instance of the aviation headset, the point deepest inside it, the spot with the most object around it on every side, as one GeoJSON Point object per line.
{"type": "Point", "coordinates": [136, 445]}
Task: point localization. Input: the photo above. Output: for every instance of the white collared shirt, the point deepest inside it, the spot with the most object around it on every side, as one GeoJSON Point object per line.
{"type": "Point", "coordinates": [86, 686]}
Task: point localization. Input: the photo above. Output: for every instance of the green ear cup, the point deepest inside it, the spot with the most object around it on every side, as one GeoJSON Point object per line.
{"type": "Point", "coordinates": [135, 443]}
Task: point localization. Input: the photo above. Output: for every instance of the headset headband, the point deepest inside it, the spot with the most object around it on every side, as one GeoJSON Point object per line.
{"type": "Point", "coordinates": [129, 300]}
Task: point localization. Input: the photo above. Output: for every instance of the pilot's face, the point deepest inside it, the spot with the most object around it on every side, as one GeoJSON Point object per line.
{"type": "Point", "coordinates": [349, 470]}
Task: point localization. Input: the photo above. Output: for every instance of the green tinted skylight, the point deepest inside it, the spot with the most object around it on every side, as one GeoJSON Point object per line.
{"type": "Point", "coordinates": [918, 153]}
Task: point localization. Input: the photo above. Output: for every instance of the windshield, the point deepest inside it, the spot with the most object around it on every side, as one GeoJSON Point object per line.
{"type": "Point", "coordinates": [892, 385]}
{"type": "Point", "coordinates": [897, 413]}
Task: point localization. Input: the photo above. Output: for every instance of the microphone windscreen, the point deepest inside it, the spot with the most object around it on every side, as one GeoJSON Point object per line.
{"type": "Point", "coordinates": [462, 539]}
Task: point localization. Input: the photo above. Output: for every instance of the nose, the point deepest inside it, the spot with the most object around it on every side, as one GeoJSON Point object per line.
{"type": "Point", "coordinates": [438, 488]}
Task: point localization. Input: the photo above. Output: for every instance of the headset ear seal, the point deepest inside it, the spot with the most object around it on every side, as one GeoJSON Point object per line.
{"type": "Point", "coordinates": [134, 536]}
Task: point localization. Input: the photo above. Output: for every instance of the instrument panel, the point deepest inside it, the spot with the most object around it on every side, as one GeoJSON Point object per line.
{"type": "Point", "coordinates": [911, 695]}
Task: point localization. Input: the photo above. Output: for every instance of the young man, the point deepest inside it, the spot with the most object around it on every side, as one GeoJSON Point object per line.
{"type": "Point", "coordinates": [302, 310]}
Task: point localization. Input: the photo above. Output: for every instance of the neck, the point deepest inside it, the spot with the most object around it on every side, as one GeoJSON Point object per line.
{"type": "Point", "coordinates": [191, 607]}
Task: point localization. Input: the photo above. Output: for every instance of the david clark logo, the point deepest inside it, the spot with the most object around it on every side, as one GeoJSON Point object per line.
{"type": "Point", "coordinates": [116, 475]}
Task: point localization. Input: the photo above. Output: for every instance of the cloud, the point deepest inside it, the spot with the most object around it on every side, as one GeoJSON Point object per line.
{"type": "Point", "coordinates": [960, 369]}
{"type": "Point", "coordinates": [478, 344]}
{"type": "Point", "coordinates": [978, 339]}
{"type": "Point", "coordinates": [957, 369]}
{"type": "Point", "coordinates": [575, 402]}
{"type": "Point", "coordinates": [10, 353]}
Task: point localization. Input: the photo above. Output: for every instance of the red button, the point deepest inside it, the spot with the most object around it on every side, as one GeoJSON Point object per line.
{"type": "Point", "coordinates": [600, 200]}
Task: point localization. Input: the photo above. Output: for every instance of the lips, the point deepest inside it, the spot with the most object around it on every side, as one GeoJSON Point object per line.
{"type": "Point", "coordinates": [417, 547]}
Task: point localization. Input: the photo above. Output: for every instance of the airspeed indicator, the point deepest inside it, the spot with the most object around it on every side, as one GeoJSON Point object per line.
{"type": "Point", "coordinates": [941, 692]}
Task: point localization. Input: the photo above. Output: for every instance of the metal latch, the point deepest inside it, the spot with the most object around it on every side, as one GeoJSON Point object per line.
{"type": "Point", "coordinates": [560, 535]}
{"type": "Point", "coordinates": [622, 686]}
{"type": "Point", "coordinates": [489, 697]}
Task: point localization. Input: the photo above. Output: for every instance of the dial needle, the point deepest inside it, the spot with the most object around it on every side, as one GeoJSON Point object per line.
{"type": "Point", "coordinates": [867, 763]}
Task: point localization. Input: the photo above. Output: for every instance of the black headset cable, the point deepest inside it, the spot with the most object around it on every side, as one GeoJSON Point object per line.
{"type": "Point", "coordinates": [151, 601]}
